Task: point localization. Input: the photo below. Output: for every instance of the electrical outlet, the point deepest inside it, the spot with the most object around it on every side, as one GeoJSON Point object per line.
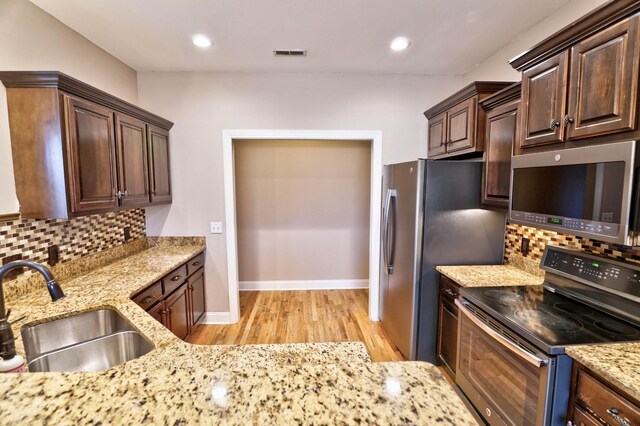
{"type": "Point", "coordinates": [14, 272]}
{"type": "Point", "coordinates": [607, 217]}
{"type": "Point", "coordinates": [524, 246]}
{"type": "Point", "coordinates": [54, 255]}
{"type": "Point", "coordinates": [127, 233]}
{"type": "Point", "coordinates": [216, 227]}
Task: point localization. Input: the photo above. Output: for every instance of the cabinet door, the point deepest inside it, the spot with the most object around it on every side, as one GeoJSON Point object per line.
{"type": "Point", "coordinates": [131, 141]}
{"type": "Point", "coordinates": [159, 165]}
{"type": "Point", "coordinates": [543, 102]}
{"type": "Point", "coordinates": [158, 312]}
{"type": "Point", "coordinates": [580, 418]}
{"type": "Point", "coordinates": [196, 293]}
{"type": "Point", "coordinates": [461, 125]}
{"type": "Point", "coordinates": [448, 335]}
{"type": "Point", "coordinates": [437, 135]}
{"type": "Point", "coordinates": [501, 128]}
{"type": "Point", "coordinates": [603, 90]}
{"type": "Point", "coordinates": [178, 313]}
{"type": "Point", "coordinates": [92, 151]}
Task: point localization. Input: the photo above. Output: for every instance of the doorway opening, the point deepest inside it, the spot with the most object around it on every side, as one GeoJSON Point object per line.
{"type": "Point", "coordinates": [231, 141]}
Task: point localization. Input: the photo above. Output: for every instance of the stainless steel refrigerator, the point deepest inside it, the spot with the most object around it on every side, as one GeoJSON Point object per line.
{"type": "Point", "coordinates": [431, 216]}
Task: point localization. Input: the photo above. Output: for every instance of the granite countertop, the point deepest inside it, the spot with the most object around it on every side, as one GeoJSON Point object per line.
{"type": "Point", "coordinates": [489, 275]}
{"type": "Point", "coordinates": [618, 363]}
{"type": "Point", "coordinates": [177, 382]}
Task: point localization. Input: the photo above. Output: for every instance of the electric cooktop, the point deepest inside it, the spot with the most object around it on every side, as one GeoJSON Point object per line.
{"type": "Point", "coordinates": [584, 300]}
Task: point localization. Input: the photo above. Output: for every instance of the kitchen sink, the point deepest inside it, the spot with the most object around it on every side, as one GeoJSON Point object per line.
{"type": "Point", "coordinates": [94, 355]}
{"type": "Point", "coordinates": [90, 341]}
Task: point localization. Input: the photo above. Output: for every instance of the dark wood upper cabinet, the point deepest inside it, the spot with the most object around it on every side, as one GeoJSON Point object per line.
{"type": "Point", "coordinates": [132, 144]}
{"type": "Point", "coordinates": [544, 94]}
{"type": "Point", "coordinates": [92, 152]}
{"type": "Point", "coordinates": [159, 165]}
{"type": "Point", "coordinates": [502, 112]}
{"type": "Point", "coordinates": [78, 150]}
{"type": "Point", "coordinates": [604, 82]}
{"type": "Point", "coordinates": [437, 134]}
{"type": "Point", "coordinates": [456, 125]}
{"type": "Point", "coordinates": [460, 126]}
{"type": "Point", "coordinates": [580, 85]}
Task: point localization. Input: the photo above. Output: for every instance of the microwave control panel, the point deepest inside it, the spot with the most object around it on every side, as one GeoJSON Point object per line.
{"type": "Point", "coordinates": [568, 224]}
{"type": "Point", "coordinates": [596, 270]}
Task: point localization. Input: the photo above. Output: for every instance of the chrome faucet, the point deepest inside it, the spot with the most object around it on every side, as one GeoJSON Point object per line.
{"type": "Point", "coordinates": [7, 345]}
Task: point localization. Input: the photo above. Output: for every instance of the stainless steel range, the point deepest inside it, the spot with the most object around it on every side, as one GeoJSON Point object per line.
{"type": "Point", "coordinates": [512, 364]}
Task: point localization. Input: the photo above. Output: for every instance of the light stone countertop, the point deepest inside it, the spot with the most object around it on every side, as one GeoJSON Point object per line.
{"type": "Point", "coordinates": [180, 383]}
{"type": "Point", "coordinates": [489, 275]}
{"type": "Point", "coordinates": [618, 363]}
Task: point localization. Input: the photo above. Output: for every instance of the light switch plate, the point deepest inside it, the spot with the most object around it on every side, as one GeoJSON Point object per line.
{"type": "Point", "coordinates": [216, 227]}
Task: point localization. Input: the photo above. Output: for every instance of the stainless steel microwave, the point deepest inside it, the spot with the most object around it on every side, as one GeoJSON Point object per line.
{"type": "Point", "coordinates": [589, 191]}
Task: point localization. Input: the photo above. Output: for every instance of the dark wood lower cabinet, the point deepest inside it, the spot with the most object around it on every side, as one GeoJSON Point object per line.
{"type": "Point", "coordinates": [177, 303]}
{"type": "Point", "coordinates": [177, 312]}
{"type": "Point", "coordinates": [594, 401]}
{"type": "Point", "coordinates": [196, 296]}
{"type": "Point", "coordinates": [448, 325]}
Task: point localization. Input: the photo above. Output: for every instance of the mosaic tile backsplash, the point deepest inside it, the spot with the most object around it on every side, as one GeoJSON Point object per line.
{"type": "Point", "coordinates": [76, 238]}
{"type": "Point", "coordinates": [539, 238]}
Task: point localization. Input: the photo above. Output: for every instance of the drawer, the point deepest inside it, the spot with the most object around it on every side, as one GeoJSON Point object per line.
{"type": "Point", "coordinates": [580, 418]}
{"type": "Point", "coordinates": [602, 401]}
{"type": "Point", "coordinates": [195, 264]}
{"type": "Point", "coordinates": [174, 279]}
{"type": "Point", "coordinates": [449, 289]}
{"type": "Point", "coordinates": [150, 296]}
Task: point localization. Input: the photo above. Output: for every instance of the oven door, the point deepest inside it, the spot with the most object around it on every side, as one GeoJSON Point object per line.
{"type": "Point", "coordinates": [507, 384]}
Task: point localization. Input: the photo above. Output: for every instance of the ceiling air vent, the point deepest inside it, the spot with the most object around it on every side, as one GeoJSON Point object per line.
{"type": "Point", "coordinates": [295, 52]}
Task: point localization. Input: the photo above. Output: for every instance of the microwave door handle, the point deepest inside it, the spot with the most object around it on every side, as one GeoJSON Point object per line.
{"type": "Point", "coordinates": [530, 358]}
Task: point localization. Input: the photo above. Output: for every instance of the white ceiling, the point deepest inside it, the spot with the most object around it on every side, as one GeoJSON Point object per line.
{"type": "Point", "coordinates": [447, 36]}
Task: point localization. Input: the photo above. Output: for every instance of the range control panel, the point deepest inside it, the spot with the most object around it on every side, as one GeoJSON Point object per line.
{"type": "Point", "coordinates": [597, 270]}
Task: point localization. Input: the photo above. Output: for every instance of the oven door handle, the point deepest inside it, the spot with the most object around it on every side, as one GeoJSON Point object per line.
{"type": "Point", "coordinates": [526, 356]}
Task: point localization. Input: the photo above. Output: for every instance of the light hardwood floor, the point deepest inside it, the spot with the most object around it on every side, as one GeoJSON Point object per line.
{"type": "Point", "coordinates": [302, 317]}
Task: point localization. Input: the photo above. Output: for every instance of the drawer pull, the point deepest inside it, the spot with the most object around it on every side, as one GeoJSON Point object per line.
{"type": "Point", "coordinates": [194, 264]}
{"type": "Point", "coordinates": [176, 278]}
{"type": "Point", "coordinates": [615, 413]}
{"type": "Point", "coordinates": [147, 299]}
{"type": "Point", "coordinates": [450, 292]}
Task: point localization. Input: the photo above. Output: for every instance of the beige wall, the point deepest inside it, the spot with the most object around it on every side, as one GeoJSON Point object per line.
{"type": "Point", "coordinates": [203, 104]}
{"type": "Point", "coordinates": [31, 39]}
{"type": "Point", "coordinates": [497, 67]}
{"type": "Point", "coordinates": [302, 209]}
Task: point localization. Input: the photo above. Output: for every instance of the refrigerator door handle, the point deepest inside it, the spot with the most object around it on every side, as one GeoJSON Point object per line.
{"type": "Point", "coordinates": [385, 228]}
{"type": "Point", "coordinates": [390, 243]}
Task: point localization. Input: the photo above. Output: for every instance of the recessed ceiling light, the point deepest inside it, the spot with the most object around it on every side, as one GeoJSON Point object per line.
{"type": "Point", "coordinates": [399, 43]}
{"type": "Point", "coordinates": [201, 40]}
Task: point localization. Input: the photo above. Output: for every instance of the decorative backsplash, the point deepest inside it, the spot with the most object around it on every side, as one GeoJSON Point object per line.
{"type": "Point", "coordinates": [539, 238]}
{"type": "Point", "coordinates": [76, 238]}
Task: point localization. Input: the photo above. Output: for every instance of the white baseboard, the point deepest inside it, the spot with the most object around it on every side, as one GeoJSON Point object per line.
{"type": "Point", "coordinates": [303, 285]}
{"type": "Point", "coordinates": [217, 318]}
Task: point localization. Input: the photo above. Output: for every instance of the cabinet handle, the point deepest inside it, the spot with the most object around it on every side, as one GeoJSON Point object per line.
{"type": "Point", "coordinates": [450, 292]}
{"type": "Point", "coordinates": [147, 299]}
{"type": "Point", "coordinates": [118, 195]}
{"type": "Point", "coordinates": [554, 123]}
{"type": "Point", "coordinates": [569, 423]}
{"type": "Point", "coordinates": [615, 413]}
{"type": "Point", "coordinates": [124, 194]}
{"type": "Point", "coordinates": [567, 120]}
{"type": "Point", "coordinates": [194, 264]}
{"type": "Point", "coordinates": [176, 278]}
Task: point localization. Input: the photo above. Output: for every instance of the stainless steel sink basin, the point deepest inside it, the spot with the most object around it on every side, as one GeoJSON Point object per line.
{"type": "Point", "coordinates": [94, 355]}
{"type": "Point", "coordinates": [91, 341]}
